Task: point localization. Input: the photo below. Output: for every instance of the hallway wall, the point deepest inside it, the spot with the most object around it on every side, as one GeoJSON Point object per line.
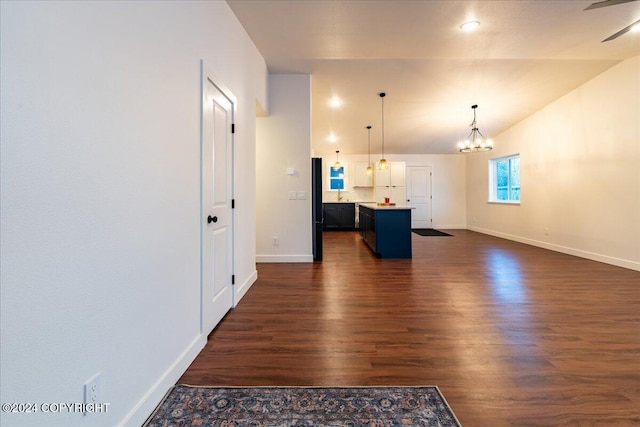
{"type": "Point", "coordinates": [283, 142]}
{"type": "Point", "coordinates": [100, 169]}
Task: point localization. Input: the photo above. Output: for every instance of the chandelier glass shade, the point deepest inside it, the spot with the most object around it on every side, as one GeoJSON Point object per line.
{"type": "Point", "coordinates": [476, 141]}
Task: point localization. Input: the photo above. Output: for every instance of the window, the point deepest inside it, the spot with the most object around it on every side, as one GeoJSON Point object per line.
{"type": "Point", "coordinates": [336, 178]}
{"type": "Point", "coordinates": [504, 179]}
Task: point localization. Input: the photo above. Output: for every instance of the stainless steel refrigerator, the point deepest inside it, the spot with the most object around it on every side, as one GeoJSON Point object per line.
{"type": "Point", "coordinates": [316, 207]}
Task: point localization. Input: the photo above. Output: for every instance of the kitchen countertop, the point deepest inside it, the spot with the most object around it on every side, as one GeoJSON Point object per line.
{"type": "Point", "coordinates": [375, 207]}
{"type": "Point", "coordinates": [345, 201]}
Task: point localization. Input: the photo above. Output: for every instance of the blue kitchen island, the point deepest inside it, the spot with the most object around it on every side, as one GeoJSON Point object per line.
{"type": "Point", "coordinates": [386, 229]}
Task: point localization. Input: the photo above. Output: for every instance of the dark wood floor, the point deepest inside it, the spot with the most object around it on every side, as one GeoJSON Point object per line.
{"type": "Point", "coordinates": [512, 334]}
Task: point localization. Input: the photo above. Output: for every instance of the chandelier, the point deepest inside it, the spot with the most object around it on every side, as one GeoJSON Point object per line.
{"type": "Point", "coordinates": [476, 140]}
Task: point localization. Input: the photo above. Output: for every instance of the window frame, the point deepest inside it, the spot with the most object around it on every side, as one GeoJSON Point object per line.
{"type": "Point", "coordinates": [331, 178]}
{"type": "Point", "coordinates": [493, 184]}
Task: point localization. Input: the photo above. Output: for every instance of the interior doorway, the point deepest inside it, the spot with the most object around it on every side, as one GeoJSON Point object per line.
{"type": "Point", "coordinates": [419, 196]}
{"type": "Point", "coordinates": [216, 202]}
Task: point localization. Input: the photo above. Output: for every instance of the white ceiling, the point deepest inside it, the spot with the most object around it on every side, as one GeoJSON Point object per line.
{"type": "Point", "coordinates": [524, 55]}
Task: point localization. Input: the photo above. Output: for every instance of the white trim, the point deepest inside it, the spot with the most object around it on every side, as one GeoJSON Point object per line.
{"type": "Point", "coordinates": [206, 74]}
{"type": "Point", "coordinates": [156, 393]}
{"type": "Point", "coordinates": [619, 262]}
{"type": "Point", "coordinates": [284, 258]}
{"type": "Point", "coordinates": [493, 197]}
{"type": "Point", "coordinates": [504, 202]}
{"type": "Point", "coordinates": [407, 169]}
{"type": "Point", "coordinates": [201, 186]}
{"type": "Point", "coordinates": [449, 227]}
{"type": "Point", "coordinates": [344, 179]}
{"type": "Point", "coordinates": [242, 289]}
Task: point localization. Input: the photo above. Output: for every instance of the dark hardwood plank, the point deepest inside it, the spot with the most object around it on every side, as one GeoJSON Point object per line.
{"type": "Point", "coordinates": [512, 334]}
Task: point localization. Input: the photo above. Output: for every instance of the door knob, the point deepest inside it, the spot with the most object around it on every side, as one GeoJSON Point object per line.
{"type": "Point", "coordinates": [211, 219]}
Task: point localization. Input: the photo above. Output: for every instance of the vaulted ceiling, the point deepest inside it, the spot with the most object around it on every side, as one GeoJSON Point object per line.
{"type": "Point", "coordinates": [524, 55]}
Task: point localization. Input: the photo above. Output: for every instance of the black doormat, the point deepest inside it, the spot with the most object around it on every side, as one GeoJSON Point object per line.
{"type": "Point", "coordinates": [429, 232]}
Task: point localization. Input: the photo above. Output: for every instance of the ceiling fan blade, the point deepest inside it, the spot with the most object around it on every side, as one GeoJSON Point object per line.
{"type": "Point", "coordinates": [605, 3]}
{"type": "Point", "coordinates": [621, 32]}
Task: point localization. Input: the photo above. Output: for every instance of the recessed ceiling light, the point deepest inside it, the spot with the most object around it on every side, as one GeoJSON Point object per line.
{"type": "Point", "coordinates": [335, 102]}
{"type": "Point", "coordinates": [635, 28]}
{"type": "Point", "coordinates": [332, 137]}
{"type": "Point", "coordinates": [470, 26]}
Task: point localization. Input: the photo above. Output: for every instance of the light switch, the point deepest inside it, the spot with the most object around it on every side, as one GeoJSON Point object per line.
{"type": "Point", "coordinates": [293, 195]}
{"type": "Point", "coordinates": [302, 195]}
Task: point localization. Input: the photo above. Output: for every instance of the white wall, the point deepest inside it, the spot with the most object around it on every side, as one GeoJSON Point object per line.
{"type": "Point", "coordinates": [448, 183]}
{"type": "Point", "coordinates": [100, 168]}
{"type": "Point", "coordinates": [284, 141]}
{"type": "Point", "coordinates": [580, 173]}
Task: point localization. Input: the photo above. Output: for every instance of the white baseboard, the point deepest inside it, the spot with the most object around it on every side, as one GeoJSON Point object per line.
{"type": "Point", "coordinates": [619, 262]}
{"type": "Point", "coordinates": [141, 411]}
{"type": "Point", "coordinates": [242, 289]}
{"type": "Point", "coordinates": [154, 395]}
{"type": "Point", "coordinates": [284, 258]}
{"type": "Point", "coordinates": [450, 227]}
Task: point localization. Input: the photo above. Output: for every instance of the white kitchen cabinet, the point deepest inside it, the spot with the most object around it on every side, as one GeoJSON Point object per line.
{"type": "Point", "coordinates": [393, 176]}
{"type": "Point", "coordinates": [360, 177]}
{"type": "Point", "coordinates": [391, 183]}
{"type": "Point", "coordinates": [397, 174]}
{"type": "Point", "coordinates": [381, 178]}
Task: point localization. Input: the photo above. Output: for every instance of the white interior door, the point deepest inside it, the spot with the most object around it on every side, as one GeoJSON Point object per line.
{"type": "Point", "coordinates": [217, 221]}
{"type": "Point", "coordinates": [419, 196]}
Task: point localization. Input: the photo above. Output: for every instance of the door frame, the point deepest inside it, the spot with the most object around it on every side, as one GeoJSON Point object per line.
{"type": "Point", "coordinates": [207, 74]}
{"type": "Point", "coordinates": [428, 186]}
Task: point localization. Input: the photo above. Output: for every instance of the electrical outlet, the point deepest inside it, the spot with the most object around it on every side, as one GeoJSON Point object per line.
{"type": "Point", "coordinates": [92, 390]}
{"type": "Point", "coordinates": [293, 195]}
{"type": "Point", "coordinates": [276, 241]}
{"type": "Point", "coordinates": [302, 195]}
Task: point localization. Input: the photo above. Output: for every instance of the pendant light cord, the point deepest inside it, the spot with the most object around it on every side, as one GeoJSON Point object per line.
{"type": "Point", "coordinates": [369, 137]}
{"type": "Point", "coordinates": [382, 95]}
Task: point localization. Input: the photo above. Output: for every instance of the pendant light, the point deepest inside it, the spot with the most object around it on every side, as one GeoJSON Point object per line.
{"type": "Point", "coordinates": [369, 168]}
{"type": "Point", "coordinates": [475, 141]}
{"type": "Point", "coordinates": [382, 164]}
{"type": "Point", "coordinates": [337, 165]}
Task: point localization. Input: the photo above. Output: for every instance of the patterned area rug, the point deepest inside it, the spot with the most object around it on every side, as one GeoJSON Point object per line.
{"type": "Point", "coordinates": [303, 406]}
